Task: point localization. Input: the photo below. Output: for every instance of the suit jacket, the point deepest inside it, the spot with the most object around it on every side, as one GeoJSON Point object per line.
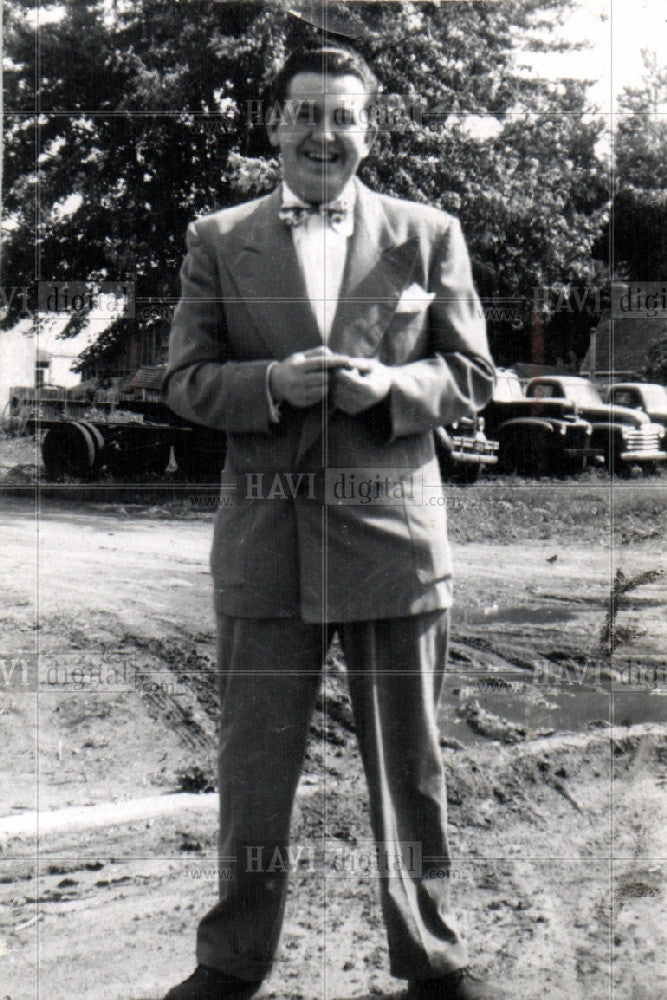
{"type": "Point", "coordinates": [243, 303]}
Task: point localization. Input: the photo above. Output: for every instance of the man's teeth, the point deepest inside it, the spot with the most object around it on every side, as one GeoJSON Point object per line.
{"type": "Point", "coordinates": [322, 158]}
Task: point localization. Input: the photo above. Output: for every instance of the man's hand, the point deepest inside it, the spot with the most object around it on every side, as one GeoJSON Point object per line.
{"type": "Point", "coordinates": [359, 387]}
{"type": "Point", "coordinates": [302, 379]}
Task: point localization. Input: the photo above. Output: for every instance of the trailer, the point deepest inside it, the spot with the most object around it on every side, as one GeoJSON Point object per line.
{"type": "Point", "coordinates": [125, 432]}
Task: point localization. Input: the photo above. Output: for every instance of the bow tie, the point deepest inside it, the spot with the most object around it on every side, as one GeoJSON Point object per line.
{"type": "Point", "coordinates": [336, 214]}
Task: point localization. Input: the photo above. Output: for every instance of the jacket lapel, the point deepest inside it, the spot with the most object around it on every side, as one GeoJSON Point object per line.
{"type": "Point", "coordinates": [377, 270]}
{"type": "Point", "coordinates": [266, 271]}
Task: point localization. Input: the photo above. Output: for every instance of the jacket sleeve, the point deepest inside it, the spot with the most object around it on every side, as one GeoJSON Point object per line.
{"type": "Point", "coordinates": [200, 384]}
{"type": "Point", "coordinates": [457, 379]}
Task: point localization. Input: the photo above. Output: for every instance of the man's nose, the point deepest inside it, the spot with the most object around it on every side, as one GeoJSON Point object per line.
{"type": "Point", "coordinates": [324, 130]}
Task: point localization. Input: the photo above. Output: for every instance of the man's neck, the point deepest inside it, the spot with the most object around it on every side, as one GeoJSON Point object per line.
{"type": "Point", "coordinates": [347, 196]}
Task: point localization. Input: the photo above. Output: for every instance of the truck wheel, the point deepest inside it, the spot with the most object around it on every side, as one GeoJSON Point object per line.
{"type": "Point", "coordinates": [527, 452]}
{"type": "Point", "coordinates": [507, 455]}
{"type": "Point", "coordinates": [98, 442]}
{"type": "Point", "coordinates": [616, 466]}
{"type": "Point", "coordinates": [538, 457]}
{"type": "Point", "coordinates": [652, 468]}
{"type": "Point", "coordinates": [573, 466]}
{"type": "Point", "coordinates": [70, 451]}
{"type": "Point", "coordinates": [525, 460]}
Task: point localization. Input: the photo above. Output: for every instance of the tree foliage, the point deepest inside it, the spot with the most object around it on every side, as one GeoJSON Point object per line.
{"type": "Point", "coordinates": [145, 112]}
{"type": "Point", "coordinates": [634, 243]}
{"type": "Point", "coordinates": [640, 141]}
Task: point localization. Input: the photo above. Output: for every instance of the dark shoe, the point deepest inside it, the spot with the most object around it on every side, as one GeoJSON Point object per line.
{"type": "Point", "coordinates": [459, 985]}
{"type": "Point", "coordinates": [212, 984]}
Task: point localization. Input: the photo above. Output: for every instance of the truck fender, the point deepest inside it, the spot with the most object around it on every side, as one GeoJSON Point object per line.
{"type": "Point", "coordinates": [539, 422]}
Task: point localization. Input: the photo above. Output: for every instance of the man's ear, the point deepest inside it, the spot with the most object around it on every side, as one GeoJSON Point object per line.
{"type": "Point", "coordinates": [370, 137]}
{"type": "Point", "coordinates": [272, 123]}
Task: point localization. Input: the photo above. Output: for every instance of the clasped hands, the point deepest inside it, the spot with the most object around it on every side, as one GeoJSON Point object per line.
{"type": "Point", "coordinates": [308, 377]}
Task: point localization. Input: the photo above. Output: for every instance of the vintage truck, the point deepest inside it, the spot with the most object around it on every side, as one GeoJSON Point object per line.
{"type": "Point", "coordinates": [464, 450]}
{"type": "Point", "coordinates": [536, 437]}
{"type": "Point", "coordinates": [622, 436]}
{"type": "Point", "coordinates": [651, 397]}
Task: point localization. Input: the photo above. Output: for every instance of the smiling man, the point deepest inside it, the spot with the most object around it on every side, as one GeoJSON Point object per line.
{"type": "Point", "coordinates": [322, 135]}
{"type": "Point", "coordinates": [328, 329]}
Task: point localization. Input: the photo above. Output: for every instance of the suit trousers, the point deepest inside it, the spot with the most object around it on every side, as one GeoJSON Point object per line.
{"type": "Point", "coordinates": [270, 675]}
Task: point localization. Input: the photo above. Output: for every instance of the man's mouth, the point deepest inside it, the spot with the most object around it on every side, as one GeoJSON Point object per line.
{"type": "Point", "coordinates": [321, 158]}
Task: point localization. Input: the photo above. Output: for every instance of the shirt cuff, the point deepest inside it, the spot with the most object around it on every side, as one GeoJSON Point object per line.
{"type": "Point", "coordinates": [274, 408]}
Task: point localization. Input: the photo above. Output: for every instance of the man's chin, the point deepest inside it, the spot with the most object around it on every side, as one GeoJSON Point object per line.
{"type": "Point", "coordinates": [325, 186]}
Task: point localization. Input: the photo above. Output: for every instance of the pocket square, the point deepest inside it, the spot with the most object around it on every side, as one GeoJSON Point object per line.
{"type": "Point", "coordinates": [414, 299]}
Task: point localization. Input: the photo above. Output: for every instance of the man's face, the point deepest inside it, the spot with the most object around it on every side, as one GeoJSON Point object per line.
{"type": "Point", "coordinates": [323, 134]}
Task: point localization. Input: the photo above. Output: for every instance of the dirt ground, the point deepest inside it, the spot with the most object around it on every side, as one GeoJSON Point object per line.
{"type": "Point", "coordinates": [552, 732]}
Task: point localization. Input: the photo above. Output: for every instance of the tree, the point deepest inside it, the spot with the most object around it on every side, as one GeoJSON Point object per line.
{"type": "Point", "coordinates": [634, 244]}
{"type": "Point", "coordinates": [146, 117]}
{"type": "Point", "coordinates": [641, 133]}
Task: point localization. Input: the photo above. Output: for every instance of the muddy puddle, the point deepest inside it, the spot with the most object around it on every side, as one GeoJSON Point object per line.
{"type": "Point", "coordinates": [516, 614]}
{"type": "Point", "coordinates": [535, 709]}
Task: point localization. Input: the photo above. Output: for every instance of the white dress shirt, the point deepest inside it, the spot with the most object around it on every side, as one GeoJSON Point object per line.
{"type": "Point", "coordinates": [321, 252]}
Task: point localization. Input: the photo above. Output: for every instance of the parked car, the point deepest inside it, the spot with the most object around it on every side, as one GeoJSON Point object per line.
{"type": "Point", "coordinates": [536, 437]}
{"type": "Point", "coordinates": [647, 396]}
{"type": "Point", "coordinates": [464, 450]}
{"type": "Point", "coordinates": [623, 436]}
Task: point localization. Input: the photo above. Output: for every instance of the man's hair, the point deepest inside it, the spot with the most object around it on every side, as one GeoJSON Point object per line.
{"type": "Point", "coordinates": [328, 60]}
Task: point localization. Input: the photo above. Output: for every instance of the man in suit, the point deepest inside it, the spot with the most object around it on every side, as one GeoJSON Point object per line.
{"type": "Point", "coordinates": [327, 330]}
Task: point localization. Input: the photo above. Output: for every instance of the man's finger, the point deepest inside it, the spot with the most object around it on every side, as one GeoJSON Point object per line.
{"type": "Point", "coordinates": [331, 362]}
{"type": "Point", "coordinates": [363, 365]}
{"type": "Point", "coordinates": [321, 365]}
{"type": "Point", "coordinates": [327, 358]}
{"type": "Point", "coordinates": [315, 351]}
{"type": "Point", "coordinates": [348, 377]}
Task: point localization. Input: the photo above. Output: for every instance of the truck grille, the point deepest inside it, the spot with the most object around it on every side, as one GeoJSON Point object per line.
{"type": "Point", "coordinates": [644, 438]}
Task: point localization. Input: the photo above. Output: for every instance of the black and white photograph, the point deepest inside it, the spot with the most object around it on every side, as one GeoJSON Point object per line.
{"type": "Point", "coordinates": [333, 482]}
